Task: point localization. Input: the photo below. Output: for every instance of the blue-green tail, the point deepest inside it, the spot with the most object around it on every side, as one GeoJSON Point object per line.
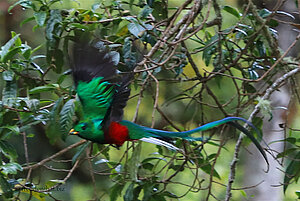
{"type": "Point", "coordinates": [138, 132]}
{"type": "Point", "coordinates": [187, 134]}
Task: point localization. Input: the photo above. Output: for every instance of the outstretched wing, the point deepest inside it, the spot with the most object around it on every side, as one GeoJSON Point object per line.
{"type": "Point", "coordinates": [93, 73]}
{"type": "Point", "coordinates": [91, 61]}
{"type": "Point", "coordinates": [120, 98]}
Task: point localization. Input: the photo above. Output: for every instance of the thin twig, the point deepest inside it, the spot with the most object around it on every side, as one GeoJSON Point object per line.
{"type": "Point", "coordinates": [88, 154]}
{"type": "Point", "coordinates": [156, 97]}
{"type": "Point", "coordinates": [55, 155]}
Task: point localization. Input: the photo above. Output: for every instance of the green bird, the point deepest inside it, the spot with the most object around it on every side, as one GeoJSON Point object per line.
{"type": "Point", "coordinates": [103, 94]}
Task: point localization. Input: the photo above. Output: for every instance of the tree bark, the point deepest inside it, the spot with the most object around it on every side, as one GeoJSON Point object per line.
{"type": "Point", "coordinates": [271, 189]}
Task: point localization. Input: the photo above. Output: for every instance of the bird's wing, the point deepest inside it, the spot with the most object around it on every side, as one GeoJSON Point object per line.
{"type": "Point", "coordinates": [94, 73]}
{"type": "Point", "coordinates": [96, 97]}
{"type": "Point", "coordinates": [91, 61]}
{"type": "Point", "coordinates": [120, 99]}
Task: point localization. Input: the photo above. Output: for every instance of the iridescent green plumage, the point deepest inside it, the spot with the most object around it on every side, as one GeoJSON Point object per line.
{"type": "Point", "coordinates": [96, 97]}
{"type": "Point", "coordinates": [103, 94]}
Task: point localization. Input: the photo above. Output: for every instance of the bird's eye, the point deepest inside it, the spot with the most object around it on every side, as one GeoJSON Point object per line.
{"type": "Point", "coordinates": [83, 127]}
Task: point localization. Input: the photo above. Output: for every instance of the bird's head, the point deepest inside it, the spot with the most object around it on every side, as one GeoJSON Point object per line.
{"type": "Point", "coordinates": [88, 130]}
{"type": "Point", "coordinates": [82, 129]}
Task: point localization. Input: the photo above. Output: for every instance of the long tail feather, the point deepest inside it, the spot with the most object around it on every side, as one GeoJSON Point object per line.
{"type": "Point", "coordinates": [251, 137]}
{"type": "Point", "coordinates": [155, 133]}
{"type": "Point", "coordinates": [186, 134]}
{"type": "Point", "coordinates": [161, 143]}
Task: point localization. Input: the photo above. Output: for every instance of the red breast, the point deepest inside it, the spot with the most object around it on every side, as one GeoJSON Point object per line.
{"type": "Point", "coordinates": [117, 134]}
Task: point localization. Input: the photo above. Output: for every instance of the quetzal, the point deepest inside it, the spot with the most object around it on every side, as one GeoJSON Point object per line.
{"type": "Point", "coordinates": [103, 94]}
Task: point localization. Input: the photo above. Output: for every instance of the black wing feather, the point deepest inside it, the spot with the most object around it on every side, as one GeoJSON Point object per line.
{"type": "Point", "coordinates": [120, 99]}
{"type": "Point", "coordinates": [115, 112]}
{"type": "Point", "coordinates": [90, 61]}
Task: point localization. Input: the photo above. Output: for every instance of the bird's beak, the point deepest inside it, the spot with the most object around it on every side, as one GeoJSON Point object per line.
{"type": "Point", "coordinates": [73, 132]}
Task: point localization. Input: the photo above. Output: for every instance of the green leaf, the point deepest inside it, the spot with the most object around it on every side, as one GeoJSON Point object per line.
{"type": "Point", "coordinates": [136, 192]}
{"type": "Point", "coordinates": [13, 128]}
{"type": "Point", "coordinates": [115, 57]}
{"type": "Point", "coordinates": [115, 191]}
{"type": "Point", "coordinates": [66, 114]}
{"type": "Point", "coordinates": [249, 87]}
{"type": "Point", "coordinates": [244, 194]}
{"type": "Point", "coordinates": [5, 48]}
{"type": "Point", "coordinates": [210, 49]}
{"type": "Point", "coordinates": [147, 166]}
{"type": "Point", "coordinates": [292, 171]}
{"type": "Point", "coordinates": [11, 53]}
{"type": "Point", "coordinates": [5, 187]}
{"type": "Point", "coordinates": [273, 23]}
{"type": "Point", "coordinates": [79, 26]}
{"type": "Point", "coordinates": [129, 193]}
{"type": "Point", "coordinates": [153, 158]}
{"type": "Point", "coordinates": [291, 140]}
{"type": "Point", "coordinates": [38, 196]}
{"type": "Point", "coordinates": [32, 104]}
{"type": "Point", "coordinates": [58, 60]}
{"type": "Point", "coordinates": [96, 6]}
{"type": "Point", "coordinates": [80, 151]}
{"type": "Point", "coordinates": [52, 27]}
{"type": "Point", "coordinates": [55, 1]}
{"type": "Point", "coordinates": [135, 29]}
{"type": "Point", "coordinates": [129, 56]}
{"type": "Point", "coordinates": [127, 47]}
{"type": "Point", "coordinates": [36, 66]}
{"type": "Point", "coordinates": [232, 11]}
{"type": "Point", "coordinates": [53, 128]}
{"type": "Point", "coordinates": [241, 31]}
{"type": "Point", "coordinates": [264, 13]}
{"type": "Point", "coordinates": [30, 135]}
{"type": "Point", "coordinates": [36, 49]}
{"type": "Point", "coordinates": [298, 194]}
{"type": "Point", "coordinates": [148, 38]}
{"type": "Point", "coordinates": [253, 75]}
{"type": "Point", "coordinates": [28, 4]}
{"type": "Point", "coordinates": [8, 75]}
{"type": "Point", "coordinates": [148, 191]}
{"type": "Point", "coordinates": [102, 160]}
{"type": "Point", "coordinates": [18, 41]}
{"type": "Point", "coordinates": [134, 162]}
{"type": "Point", "coordinates": [260, 46]}
{"type": "Point", "coordinates": [11, 168]}
{"type": "Point", "coordinates": [8, 150]}
{"type": "Point", "coordinates": [40, 17]}
{"type": "Point", "coordinates": [286, 14]}
{"type": "Point", "coordinates": [286, 152]}
{"type": "Point", "coordinates": [45, 88]}
{"type": "Point", "coordinates": [17, 3]}
{"type": "Point", "coordinates": [26, 51]}
{"type": "Point", "coordinates": [160, 9]}
{"type": "Point", "coordinates": [9, 94]}
{"type": "Point", "coordinates": [169, 194]}
{"type": "Point", "coordinates": [26, 21]}
{"type": "Point", "coordinates": [157, 197]}
{"type": "Point", "coordinates": [146, 11]}
{"type": "Point", "coordinates": [207, 168]}
{"type": "Point", "coordinates": [150, 2]}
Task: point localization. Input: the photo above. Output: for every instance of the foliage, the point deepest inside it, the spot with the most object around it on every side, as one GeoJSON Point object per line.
{"type": "Point", "coordinates": [162, 44]}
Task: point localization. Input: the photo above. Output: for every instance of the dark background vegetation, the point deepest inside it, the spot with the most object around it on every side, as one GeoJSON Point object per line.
{"type": "Point", "coordinates": [195, 61]}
